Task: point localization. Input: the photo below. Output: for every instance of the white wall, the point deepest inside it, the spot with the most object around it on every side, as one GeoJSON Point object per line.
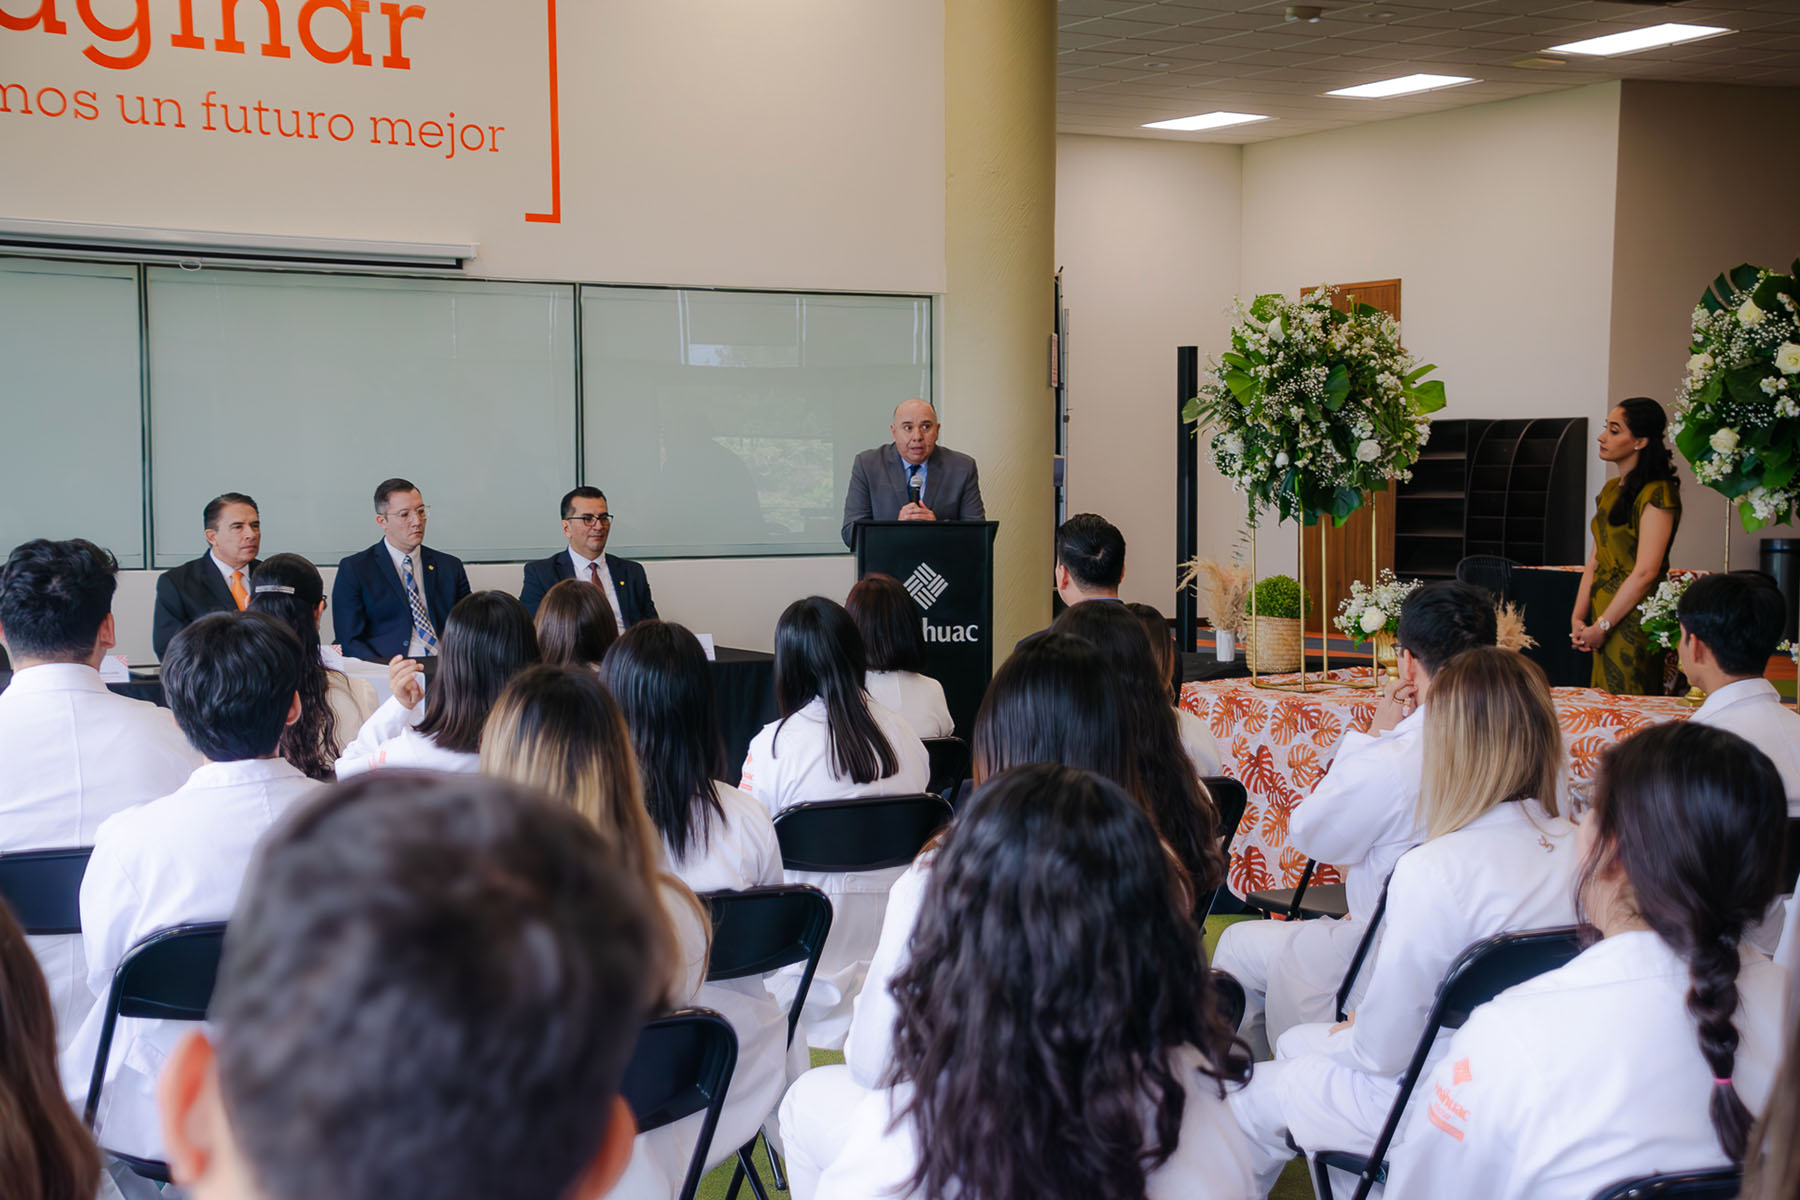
{"type": "Point", "coordinates": [1147, 239]}
{"type": "Point", "coordinates": [1684, 218]}
{"type": "Point", "coordinates": [1497, 219]}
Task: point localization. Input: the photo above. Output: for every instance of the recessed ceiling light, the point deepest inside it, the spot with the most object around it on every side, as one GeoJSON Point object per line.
{"type": "Point", "coordinates": [1211, 120]}
{"type": "Point", "coordinates": [1641, 39]}
{"type": "Point", "coordinates": [1404, 85]}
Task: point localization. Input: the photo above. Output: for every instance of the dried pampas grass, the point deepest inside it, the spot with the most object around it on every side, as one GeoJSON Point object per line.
{"type": "Point", "coordinates": [1225, 589]}
{"type": "Point", "coordinates": [1509, 625]}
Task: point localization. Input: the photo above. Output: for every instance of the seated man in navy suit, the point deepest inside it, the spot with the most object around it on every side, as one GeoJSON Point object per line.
{"type": "Point", "coordinates": [587, 524]}
{"type": "Point", "coordinates": [217, 581]}
{"type": "Point", "coordinates": [912, 478]}
{"type": "Point", "coordinates": [393, 597]}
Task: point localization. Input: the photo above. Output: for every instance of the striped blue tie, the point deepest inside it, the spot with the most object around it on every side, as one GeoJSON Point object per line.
{"type": "Point", "coordinates": [421, 622]}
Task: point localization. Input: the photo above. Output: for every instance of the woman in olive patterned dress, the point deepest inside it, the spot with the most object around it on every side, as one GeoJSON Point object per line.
{"type": "Point", "coordinates": [1634, 523]}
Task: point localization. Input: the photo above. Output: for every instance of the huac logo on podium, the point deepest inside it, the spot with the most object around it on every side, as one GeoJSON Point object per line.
{"type": "Point", "coordinates": [925, 586]}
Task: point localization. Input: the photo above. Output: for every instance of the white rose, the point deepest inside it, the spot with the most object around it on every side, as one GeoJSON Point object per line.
{"type": "Point", "coordinates": [1368, 451]}
{"type": "Point", "coordinates": [1749, 314]}
{"type": "Point", "coordinates": [1373, 620]}
{"type": "Point", "coordinates": [1275, 330]}
{"type": "Point", "coordinates": [1232, 444]}
{"type": "Point", "coordinates": [1699, 364]}
{"type": "Point", "coordinates": [1724, 440]}
{"type": "Point", "coordinates": [1281, 458]}
{"type": "Point", "coordinates": [1787, 358]}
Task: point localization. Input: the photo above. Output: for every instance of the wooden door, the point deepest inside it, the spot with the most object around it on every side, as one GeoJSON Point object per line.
{"type": "Point", "coordinates": [1347, 546]}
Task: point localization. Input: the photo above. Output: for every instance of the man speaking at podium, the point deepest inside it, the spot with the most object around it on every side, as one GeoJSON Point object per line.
{"type": "Point", "coordinates": [912, 478]}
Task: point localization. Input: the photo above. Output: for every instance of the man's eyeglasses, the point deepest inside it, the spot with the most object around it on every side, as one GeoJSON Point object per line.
{"type": "Point", "coordinates": [591, 518]}
{"type": "Point", "coordinates": [406, 514]}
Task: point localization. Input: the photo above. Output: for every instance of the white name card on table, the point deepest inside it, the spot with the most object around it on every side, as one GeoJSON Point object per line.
{"type": "Point", "coordinates": [114, 669]}
{"type": "Point", "coordinates": [706, 644]}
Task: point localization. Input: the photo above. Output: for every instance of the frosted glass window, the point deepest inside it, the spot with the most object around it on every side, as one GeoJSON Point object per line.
{"type": "Point", "coordinates": [307, 390]}
{"type": "Point", "coordinates": [70, 375]}
{"type": "Point", "coordinates": [724, 423]}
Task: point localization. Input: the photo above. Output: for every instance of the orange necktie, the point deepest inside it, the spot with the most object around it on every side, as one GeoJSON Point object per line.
{"type": "Point", "coordinates": [237, 590]}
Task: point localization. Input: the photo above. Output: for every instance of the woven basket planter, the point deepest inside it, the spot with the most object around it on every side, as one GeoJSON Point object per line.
{"type": "Point", "coordinates": [1272, 644]}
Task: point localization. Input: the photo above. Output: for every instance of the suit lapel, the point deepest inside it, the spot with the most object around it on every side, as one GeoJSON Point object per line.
{"type": "Point", "coordinates": [897, 475]}
{"type": "Point", "coordinates": [214, 584]}
{"type": "Point", "coordinates": [616, 573]}
{"type": "Point", "coordinates": [383, 567]}
{"type": "Point", "coordinates": [562, 567]}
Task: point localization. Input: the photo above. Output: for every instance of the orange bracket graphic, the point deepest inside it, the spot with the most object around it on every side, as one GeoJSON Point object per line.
{"type": "Point", "coordinates": [554, 216]}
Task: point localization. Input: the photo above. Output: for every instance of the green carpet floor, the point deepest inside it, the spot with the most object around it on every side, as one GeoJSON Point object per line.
{"type": "Point", "coordinates": [1293, 1185]}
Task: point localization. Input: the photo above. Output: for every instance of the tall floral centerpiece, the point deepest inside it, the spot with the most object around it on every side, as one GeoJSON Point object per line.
{"type": "Point", "coordinates": [1737, 420]}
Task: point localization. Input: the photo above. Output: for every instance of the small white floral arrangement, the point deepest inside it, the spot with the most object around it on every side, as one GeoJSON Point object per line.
{"type": "Point", "coordinates": [1737, 420]}
{"type": "Point", "coordinates": [1656, 613]}
{"type": "Point", "coordinates": [1370, 610]}
{"type": "Point", "coordinates": [1313, 406]}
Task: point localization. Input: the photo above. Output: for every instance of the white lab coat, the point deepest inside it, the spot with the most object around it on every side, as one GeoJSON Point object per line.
{"type": "Point", "coordinates": [1512, 868]}
{"type": "Point", "coordinates": [1582, 1078]}
{"type": "Point", "coordinates": [71, 755]}
{"type": "Point", "coordinates": [388, 740]}
{"type": "Point", "coordinates": [1752, 709]}
{"type": "Point", "coordinates": [1209, 1162]}
{"type": "Point", "coordinates": [1197, 741]}
{"type": "Point", "coordinates": [1361, 817]}
{"type": "Point", "coordinates": [740, 851]}
{"type": "Point", "coordinates": [789, 763]}
{"type": "Point", "coordinates": [174, 861]}
{"type": "Point", "coordinates": [917, 698]}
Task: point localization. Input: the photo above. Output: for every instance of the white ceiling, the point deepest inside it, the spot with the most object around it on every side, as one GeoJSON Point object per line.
{"type": "Point", "coordinates": [1121, 63]}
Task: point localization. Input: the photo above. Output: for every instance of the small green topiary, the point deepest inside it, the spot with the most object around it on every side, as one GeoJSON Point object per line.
{"type": "Point", "coordinates": [1278, 597]}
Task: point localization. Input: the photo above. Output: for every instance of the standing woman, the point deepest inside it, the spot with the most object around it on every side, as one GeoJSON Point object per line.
{"type": "Point", "coordinates": [1636, 520]}
{"type": "Point", "coordinates": [333, 705]}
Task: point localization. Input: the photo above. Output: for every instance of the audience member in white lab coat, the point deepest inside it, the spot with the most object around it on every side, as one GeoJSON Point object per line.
{"type": "Point", "coordinates": [832, 743]}
{"type": "Point", "coordinates": [1053, 700]}
{"type": "Point", "coordinates": [889, 622]}
{"type": "Point", "coordinates": [1197, 741]}
{"type": "Point", "coordinates": [487, 640]}
{"type": "Point", "coordinates": [1731, 625]}
{"type": "Point", "coordinates": [1183, 811]}
{"type": "Point", "coordinates": [557, 729]}
{"type": "Point", "coordinates": [1361, 817]}
{"type": "Point", "coordinates": [575, 624]}
{"type": "Point", "coordinates": [232, 680]}
{"type": "Point", "coordinates": [1648, 1053]}
{"type": "Point", "coordinates": [1056, 1030]}
{"type": "Point", "coordinates": [333, 705]}
{"type": "Point", "coordinates": [71, 752]}
{"type": "Point", "coordinates": [1496, 858]}
{"type": "Point", "coordinates": [431, 987]}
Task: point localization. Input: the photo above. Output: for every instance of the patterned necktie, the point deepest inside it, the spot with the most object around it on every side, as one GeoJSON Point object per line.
{"type": "Point", "coordinates": [421, 622]}
{"type": "Point", "coordinates": [237, 590]}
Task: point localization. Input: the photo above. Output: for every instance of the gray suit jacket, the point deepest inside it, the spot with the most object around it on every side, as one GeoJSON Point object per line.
{"type": "Point", "coordinates": [878, 488]}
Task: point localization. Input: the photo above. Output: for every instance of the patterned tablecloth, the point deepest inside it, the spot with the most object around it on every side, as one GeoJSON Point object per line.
{"type": "Point", "coordinates": [1280, 744]}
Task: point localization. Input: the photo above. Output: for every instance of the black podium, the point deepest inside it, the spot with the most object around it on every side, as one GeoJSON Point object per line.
{"type": "Point", "coordinates": [947, 568]}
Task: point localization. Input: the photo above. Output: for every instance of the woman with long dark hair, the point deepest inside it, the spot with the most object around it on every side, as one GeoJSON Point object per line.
{"type": "Point", "coordinates": [889, 623]}
{"type": "Point", "coordinates": [1648, 1052]}
{"type": "Point", "coordinates": [1165, 777]}
{"type": "Point", "coordinates": [717, 837]}
{"type": "Point", "coordinates": [1197, 741]}
{"type": "Point", "coordinates": [333, 705]}
{"type": "Point", "coordinates": [575, 624]}
{"type": "Point", "coordinates": [1634, 524]}
{"type": "Point", "coordinates": [487, 640]}
{"type": "Point", "coordinates": [1057, 1034]}
{"type": "Point", "coordinates": [832, 742]}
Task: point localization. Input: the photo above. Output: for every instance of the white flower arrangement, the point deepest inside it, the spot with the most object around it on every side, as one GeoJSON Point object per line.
{"type": "Point", "coordinates": [1737, 420]}
{"type": "Point", "coordinates": [1372, 609]}
{"type": "Point", "coordinates": [1312, 407]}
{"type": "Point", "coordinates": [1656, 613]}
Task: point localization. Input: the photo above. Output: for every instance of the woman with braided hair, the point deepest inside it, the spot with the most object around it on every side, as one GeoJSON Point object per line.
{"type": "Point", "coordinates": [1648, 1052]}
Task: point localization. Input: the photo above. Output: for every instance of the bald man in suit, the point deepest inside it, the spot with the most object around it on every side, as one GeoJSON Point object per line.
{"type": "Point", "coordinates": [881, 480]}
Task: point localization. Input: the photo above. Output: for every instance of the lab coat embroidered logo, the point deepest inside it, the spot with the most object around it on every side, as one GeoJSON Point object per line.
{"type": "Point", "coordinates": [925, 586]}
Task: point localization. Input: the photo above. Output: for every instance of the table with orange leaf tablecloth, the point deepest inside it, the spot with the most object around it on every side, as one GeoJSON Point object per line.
{"type": "Point", "coordinates": [1280, 745]}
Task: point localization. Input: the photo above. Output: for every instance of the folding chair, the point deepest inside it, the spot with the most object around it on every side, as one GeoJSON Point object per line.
{"type": "Point", "coordinates": [865, 834]}
{"type": "Point", "coordinates": [1230, 798]}
{"type": "Point", "coordinates": [682, 1065]}
{"type": "Point", "coordinates": [949, 766]}
{"type": "Point", "coordinates": [167, 976]}
{"type": "Point", "coordinates": [43, 888]}
{"type": "Point", "coordinates": [1722, 1184]}
{"type": "Point", "coordinates": [1363, 946]}
{"type": "Point", "coordinates": [1303, 902]}
{"type": "Point", "coordinates": [754, 932]}
{"type": "Point", "coordinates": [1479, 974]}
{"type": "Point", "coordinates": [1230, 996]}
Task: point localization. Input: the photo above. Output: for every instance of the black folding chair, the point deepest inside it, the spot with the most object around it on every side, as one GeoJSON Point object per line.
{"type": "Point", "coordinates": [1303, 902]}
{"type": "Point", "coordinates": [167, 976]}
{"type": "Point", "coordinates": [949, 766]}
{"type": "Point", "coordinates": [1230, 798]}
{"type": "Point", "coordinates": [682, 1065]}
{"type": "Point", "coordinates": [1364, 945]}
{"type": "Point", "coordinates": [1490, 571]}
{"type": "Point", "coordinates": [43, 888]}
{"type": "Point", "coordinates": [1479, 974]}
{"type": "Point", "coordinates": [864, 834]}
{"type": "Point", "coordinates": [754, 932]}
{"type": "Point", "coordinates": [1230, 997]}
{"type": "Point", "coordinates": [1722, 1184]}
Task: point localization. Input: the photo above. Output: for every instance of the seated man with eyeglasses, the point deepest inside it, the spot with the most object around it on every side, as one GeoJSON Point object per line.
{"type": "Point", "coordinates": [394, 597]}
{"type": "Point", "coordinates": [586, 523]}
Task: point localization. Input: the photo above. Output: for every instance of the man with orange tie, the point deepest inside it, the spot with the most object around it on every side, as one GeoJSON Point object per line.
{"type": "Point", "coordinates": [217, 581]}
{"type": "Point", "coordinates": [587, 524]}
